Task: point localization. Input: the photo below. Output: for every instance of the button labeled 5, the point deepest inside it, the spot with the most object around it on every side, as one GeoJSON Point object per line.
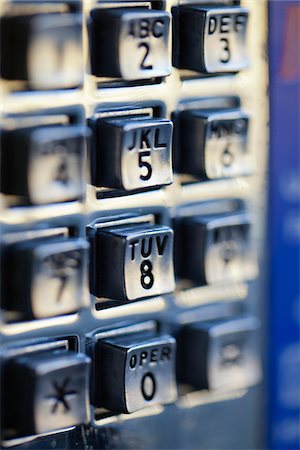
{"type": "Point", "coordinates": [130, 43]}
{"type": "Point", "coordinates": [135, 372]}
{"type": "Point", "coordinates": [132, 153]}
{"type": "Point", "coordinates": [132, 262]}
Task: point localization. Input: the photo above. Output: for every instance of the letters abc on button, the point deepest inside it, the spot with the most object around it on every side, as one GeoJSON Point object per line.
{"type": "Point", "coordinates": [132, 154]}
{"type": "Point", "coordinates": [129, 43]}
{"type": "Point", "coordinates": [135, 372]}
{"type": "Point", "coordinates": [211, 40]}
{"type": "Point", "coordinates": [132, 262]}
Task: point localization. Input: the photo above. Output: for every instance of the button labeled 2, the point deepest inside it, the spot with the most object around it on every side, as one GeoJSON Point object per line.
{"type": "Point", "coordinates": [132, 153]}
{"type": "Point", "coordinates": [212, 39]}
{"type": "Point", "coordinates": [135, 372]}
{"type": "Point", "coordinates": [130, 43]}
{"type": "Point", "coordinates": [132, 262]}
{"type": "Point", "coordinates": [213, 144]}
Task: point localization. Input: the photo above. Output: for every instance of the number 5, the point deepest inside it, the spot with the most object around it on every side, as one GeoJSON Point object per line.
{"type": "Point", "coordinates": [145, 164]}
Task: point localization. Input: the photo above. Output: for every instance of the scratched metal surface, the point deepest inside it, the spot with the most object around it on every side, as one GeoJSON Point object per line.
{"type": "Point", "coordinates": [197, 420]}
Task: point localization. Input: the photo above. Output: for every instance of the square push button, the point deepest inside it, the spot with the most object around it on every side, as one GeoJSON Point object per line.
{"type": "Point", "coordinates": [45, 392]}
{"type": "Point", "coordinates": [217, 249]}
{"type": "Point", "coordinates": [129, 43]}
{"type": "Point", "coordinates": [132, 153]}
{"type": "Point", "coordinates": [132, 373]}
{"type": "Point", "coordinates": [212, 39]}
{"type": "Point", "coordinates": [45, 278]}
{"type": "Point", "coordinates": [43, 49]}
{"type": "Point", "coordinates": [220, 354]}
{"type": "Point", "coordinates": [50, 167]}
{"type": "Point", "coordinates": [131, 262]}
{"type": "Point", "coordinates": [213, 143]}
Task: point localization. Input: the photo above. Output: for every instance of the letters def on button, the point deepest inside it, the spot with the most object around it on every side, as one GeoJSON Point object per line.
{"type": "Point", "coordinates": [211, 39]}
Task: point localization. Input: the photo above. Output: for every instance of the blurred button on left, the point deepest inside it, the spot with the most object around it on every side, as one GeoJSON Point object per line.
{"type": "Point", "coordinates": [44, 50]}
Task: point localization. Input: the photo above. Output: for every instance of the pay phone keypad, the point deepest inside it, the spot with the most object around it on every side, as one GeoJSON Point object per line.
{"type": "Point", "coordinates": [135, 72]}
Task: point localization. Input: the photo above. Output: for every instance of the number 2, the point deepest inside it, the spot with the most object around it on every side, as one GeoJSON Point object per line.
{"type": "Point", "coordinates": [147, 47]}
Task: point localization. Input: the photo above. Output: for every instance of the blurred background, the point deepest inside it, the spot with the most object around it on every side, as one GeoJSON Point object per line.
{"type": "Point", "coordinates": [283, 350]}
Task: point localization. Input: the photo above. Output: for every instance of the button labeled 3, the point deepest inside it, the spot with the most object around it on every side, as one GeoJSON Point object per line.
{"type": "Point", "coordinates": [213, 144]}
{"type": "Point", "coordinates": [132, 154]}
{"type": "Point", "coordinates": [51, 167]}
{"type": "Point", "coordinates": [133, 262]}
{"type": "Point", "coordinates": [130, 43]}
{"type": "Point", "coordinates": [212, 40]}
{"type": "Point", "coordinates": [135, 372]}
{"type": "Point", "coordinates": [52, 389]}
{"type": "Point", "coordinates": [220, 354]}
{"type": "Point", "coordinates": [50, 277]}
{"type": "Point", "coordinates": [217, 249]}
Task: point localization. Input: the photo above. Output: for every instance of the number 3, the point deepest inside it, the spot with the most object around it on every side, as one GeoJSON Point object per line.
{"type": "Point", "coordinates": [226, 51]}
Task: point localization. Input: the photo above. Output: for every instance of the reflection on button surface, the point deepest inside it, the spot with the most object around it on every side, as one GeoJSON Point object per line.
{"type": "Point", "coordinates": [213, 143]}
{"type": "Point", "coordinates": [133, 372]}
{"type": "Point", "coordinates": [50, 167]}
{"type": "Point", "coordinates": [132, 153]}
{"type": "Point", "coordinates": [211, 39]}
{"type": "Point", "coordinates": [132, 262]}
{"type": "Point", "coordinates": [219, 354]}
{"type": "Point", "coordinates": [131, 43]}
{"type": "Point", "coordinates": [46, 392]}
{"type": "Point", "coordinates": [43, 49]}
{"type": "Point", "coordinates": [217, 248]}
{"type": "Point", "coordinates": [45, 278]}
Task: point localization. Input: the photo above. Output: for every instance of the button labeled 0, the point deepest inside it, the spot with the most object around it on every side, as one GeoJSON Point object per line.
{"type": "Point", "coordinates": [135, 372]}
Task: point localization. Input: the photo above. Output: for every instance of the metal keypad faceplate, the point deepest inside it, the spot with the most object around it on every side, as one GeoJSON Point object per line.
{"type": "Point", "coordinates": [162, 91]}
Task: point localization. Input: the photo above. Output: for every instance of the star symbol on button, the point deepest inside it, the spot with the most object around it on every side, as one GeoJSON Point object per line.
{"type": "Point", "coordinates": [61, 395]}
